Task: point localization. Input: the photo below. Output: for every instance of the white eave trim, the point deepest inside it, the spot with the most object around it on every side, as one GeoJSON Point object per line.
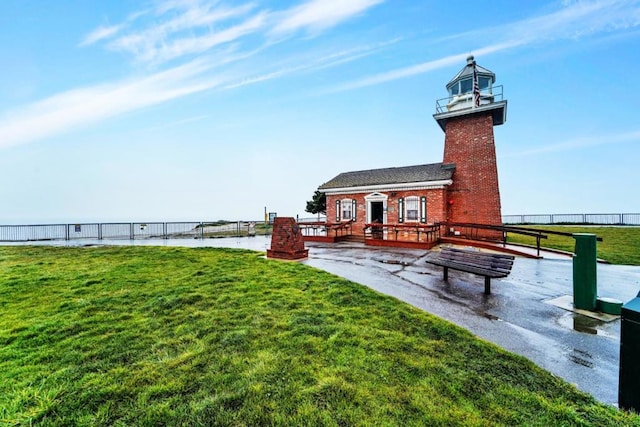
{"type": "Point", "coordinates": [405, 186]}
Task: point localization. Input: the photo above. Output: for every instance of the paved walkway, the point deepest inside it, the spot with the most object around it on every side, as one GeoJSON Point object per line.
{"type": "Point", "coordinates": [516, 316]}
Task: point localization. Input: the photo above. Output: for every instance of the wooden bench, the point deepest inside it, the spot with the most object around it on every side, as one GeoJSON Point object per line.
{"type": "Point", "coordinates": [484, 264]}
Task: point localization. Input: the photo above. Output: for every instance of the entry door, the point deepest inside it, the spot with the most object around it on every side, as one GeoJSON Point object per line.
{"type": "Point", "coordinates": [377, 211]}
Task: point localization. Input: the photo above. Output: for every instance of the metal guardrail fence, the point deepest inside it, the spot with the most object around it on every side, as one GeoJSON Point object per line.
{"type": "Point", "coordinates": [583, 218]}
{"type": "Point", "coordinates": [132, 230]}
{"type": "Point", "coordinates": [591, 219]}
{"type": "Point", "coordinates": [203, 229]}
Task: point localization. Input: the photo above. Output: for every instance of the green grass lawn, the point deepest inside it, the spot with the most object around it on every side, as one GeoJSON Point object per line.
{"type": "Point", "coordinates": [179, 336]}
{"type": "Point", "coordinates": [620, 245]}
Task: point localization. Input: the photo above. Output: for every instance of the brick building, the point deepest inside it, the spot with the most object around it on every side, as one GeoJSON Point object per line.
{"type": "Point", "coordinates": [463, 188]}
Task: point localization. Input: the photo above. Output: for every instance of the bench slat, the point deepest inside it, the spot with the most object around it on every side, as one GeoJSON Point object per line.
{"type": "Point", "coordinates": [476, 267]}
{"type": "Point", "coordinates": [468, 252]}
{"type": "Point", "coordinates": [480, 263]}
{"type": "Point", "coordinates": [479, 255]}
{"type": "Point", "coordinates": [478, 259]}
{"type": "Point", "coordinates": [495, 273]}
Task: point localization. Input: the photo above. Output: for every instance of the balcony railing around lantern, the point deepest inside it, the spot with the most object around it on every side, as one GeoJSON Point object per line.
{"type": "Point", "coordinates": [487, 96]}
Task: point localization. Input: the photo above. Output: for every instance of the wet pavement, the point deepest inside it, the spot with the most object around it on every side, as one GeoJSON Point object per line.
{"type": "Point", "coordinates": [516, 316]}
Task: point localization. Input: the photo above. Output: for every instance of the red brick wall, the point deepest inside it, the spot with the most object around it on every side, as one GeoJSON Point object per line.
{"type": "Point", "coordinates": [436, 206]}
{"type": "Point", "coordinates": [360, 214]}
{"type": "Point", "coordinates": [474, 195]}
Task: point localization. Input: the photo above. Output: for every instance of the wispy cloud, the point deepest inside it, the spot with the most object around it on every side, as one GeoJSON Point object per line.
{"type": "Point", "coordinates": [163, 51]}
{"type": "Point", "coordinates": [186, 28]}
{"type": "Point", "coordinates": [172, 33]}
{"type": "Point", "coordinates": [178, 31]}
{"type": "Point", "coordinates": [316, 15]}
{"type": "Point", "coordinates": [579, 19]}
{"type": "Point", "coordinates": [79, 107]}
{"type": "Point", "coordinates": [580, 143]}
{"type": "Point", "coordinates": [315, 64]}
{"type": "Point", "coordinates": [178, 28]}
{"type": "Point", "coordinates": [414, 70]}
{"type": "Point", "coordinates": [99, 34]}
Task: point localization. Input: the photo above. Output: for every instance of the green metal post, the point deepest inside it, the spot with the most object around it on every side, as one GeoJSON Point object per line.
{"type": "Point", "coordinates": [585, 286]}
{"type": "Point", "coordinates": [629, 378]}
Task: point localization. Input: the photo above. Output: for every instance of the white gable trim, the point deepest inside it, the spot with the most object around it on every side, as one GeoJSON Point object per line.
{"type": "Point", "coordinates": [404, 186]}
{"type": "Point", "coordinates": [376, 197]}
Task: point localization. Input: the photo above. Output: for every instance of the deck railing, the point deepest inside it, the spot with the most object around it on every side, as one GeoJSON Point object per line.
{"type": "Point", "coordinates": [321, 229]}
{"type": "Point", "coordinates": [498, 233]}
{"type": "Point", "coordinates": [414, 233]}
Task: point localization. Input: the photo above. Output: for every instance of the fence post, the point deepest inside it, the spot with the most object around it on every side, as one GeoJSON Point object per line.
{"type": "Point", "coordinates": [201, 231]}
{"type": "Point", "coordinates": [66, 232]}
{"type": "Point", "coordinates": [131, 235]}
{"type": "Point", "coordinates": [164, 230]}
{"type": "Point", "coordinates": [99, 231]}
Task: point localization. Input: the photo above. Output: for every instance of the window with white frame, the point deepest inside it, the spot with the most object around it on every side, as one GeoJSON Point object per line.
{"type": "Point", "coordinates": [347, 209]}
{"type": "Point", "coordinates": [412, 208]}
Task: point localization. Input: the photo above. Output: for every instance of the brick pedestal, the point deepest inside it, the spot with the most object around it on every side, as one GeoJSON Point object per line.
{"type": "Point", "coordinates": [286, 241]}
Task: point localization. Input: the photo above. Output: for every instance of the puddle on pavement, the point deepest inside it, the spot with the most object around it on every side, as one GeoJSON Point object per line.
{"type": "Point", "coordinates": [581, 358]}
{"type": "Point", "coordinates": [488, 315]}
{"type": "Point", "coordinates": [584, 324]}
{"type": "Point", "coordinates": [394, 262]}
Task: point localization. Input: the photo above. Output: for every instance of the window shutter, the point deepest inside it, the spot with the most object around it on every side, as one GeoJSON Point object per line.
{"type": "Point", "coordinates": [353, 209]}
{"type": "Point", "coordinates": [423, 209]}
{"type": "Point", "coordinates": [337, 210]}
{"type": "Point", "coordinates": [400, 210]}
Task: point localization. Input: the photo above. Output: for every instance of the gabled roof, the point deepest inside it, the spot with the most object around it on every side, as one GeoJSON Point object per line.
{"type": "Point", "coordinates": [399, 175]}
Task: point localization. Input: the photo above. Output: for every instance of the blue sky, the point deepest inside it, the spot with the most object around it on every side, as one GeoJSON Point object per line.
{"type": "Point", "coordinates": [203, 110]}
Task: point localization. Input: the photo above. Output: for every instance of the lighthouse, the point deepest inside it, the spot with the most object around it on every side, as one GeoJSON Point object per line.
{"type": "Point", "coordinates": [467, 117]}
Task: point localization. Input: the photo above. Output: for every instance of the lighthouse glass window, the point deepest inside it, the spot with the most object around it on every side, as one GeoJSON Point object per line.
{"type": "Point", "coordinates": [411, 208]}
{"type": "Point", "coordinates": [466, 86]}
{"type": "Point", "coordinates": [484, 84]}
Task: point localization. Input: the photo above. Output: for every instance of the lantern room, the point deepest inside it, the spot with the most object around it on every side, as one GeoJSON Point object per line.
{"type": "Point", "coordinates": [461, 87]}
{"type": "Point", "coordinates": [472, 90]}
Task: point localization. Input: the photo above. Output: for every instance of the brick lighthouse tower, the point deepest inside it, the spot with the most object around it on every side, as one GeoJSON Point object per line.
{"type": "Point", "coordinates": [467, 117]}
